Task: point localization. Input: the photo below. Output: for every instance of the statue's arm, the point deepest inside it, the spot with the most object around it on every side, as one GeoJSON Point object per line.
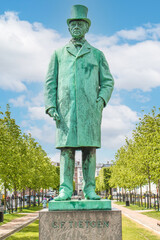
{"type": "Point", "coordinates": [50, 89]}
{"type": "Point", "coordinates": [106, 80]}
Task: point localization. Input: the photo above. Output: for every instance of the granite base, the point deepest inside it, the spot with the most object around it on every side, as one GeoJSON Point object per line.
{"type": "Point", "coordinates": [80, 225]}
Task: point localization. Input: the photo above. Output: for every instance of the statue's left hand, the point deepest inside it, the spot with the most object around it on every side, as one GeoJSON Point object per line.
{"type": "Point", "coordinates": [100, 102]}
{"type": "Point", "coordinates": [56, 116]}
{"type": "Point", "coordinates": [53, 113]}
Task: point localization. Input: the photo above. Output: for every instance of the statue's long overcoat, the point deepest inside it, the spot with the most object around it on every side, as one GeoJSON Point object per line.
{"type": "Point", "coordinates": [74, 82]}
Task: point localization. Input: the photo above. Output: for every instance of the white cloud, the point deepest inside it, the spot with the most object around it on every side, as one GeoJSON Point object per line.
{"type": "Point", "coordinates": [37, 113]}
{"type": "Point", "coordinates": [55, 157]}
{"type": "Point", "coordinates": [118, 121]}
{"type": "Point", "coordinates": [19, 101]}
{"type": "Point", "coordinates": [45, 133]}
{"type": "Point", "coordinates": [135, 66]}
{"type": "Point", "coordinates": [25, 51]}
{"type": "Point", "coordinates": [101, 41]}
{"type": "Point", "coordinates": [38, 100]}
{"type": "Point", "coordinates": [26, 48]}
{"type": "Point", "coordinates": [115, 99]}
{"type": "Point", "coordinates": [137, 34]}
{"type": "Point", "coordinates": [28, 101]}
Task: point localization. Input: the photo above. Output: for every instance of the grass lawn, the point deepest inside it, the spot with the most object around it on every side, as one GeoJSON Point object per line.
{"type": "Point", "coordinates": [131, 231]}
{"type": "Point", "coordinates": [132, 207]}
{"type": "Point", "coordinates": [120, 203]}
{"type": "Point", "coordinates": [153, 214]}
{"type": "Point", "coordinates": [31, 209]}
{"type": "Point", "coordinates": [29, 232]}
{"type": "Point", "coordinates": [12, 216]}
{"type": "Point", "coordinates": [135, 207]}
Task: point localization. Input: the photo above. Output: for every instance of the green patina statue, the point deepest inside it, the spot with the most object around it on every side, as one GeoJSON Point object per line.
{"type": "Point", "coordinates": [78, 86]}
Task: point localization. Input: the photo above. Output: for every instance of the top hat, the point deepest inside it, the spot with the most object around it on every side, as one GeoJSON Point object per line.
{"type": "Point", "coordinates": [79, 12]}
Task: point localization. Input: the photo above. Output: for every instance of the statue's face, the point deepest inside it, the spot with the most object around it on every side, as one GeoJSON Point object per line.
{"type": "Point", "coordinates": [78, 28]}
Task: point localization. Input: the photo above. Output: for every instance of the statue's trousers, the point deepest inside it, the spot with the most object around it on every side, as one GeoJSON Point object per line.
{"type": "Point", "coordinates": [67, 163]}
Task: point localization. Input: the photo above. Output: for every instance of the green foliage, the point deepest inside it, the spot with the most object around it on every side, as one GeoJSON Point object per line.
{"type": "Point", "coordinates": [56, 179]}
{"type": "Point", "coordinates": [23, 162]}
{"type": "Point", "coordinates": [138, 161]}
{"type": "Point", "coordinates": [102, 181]}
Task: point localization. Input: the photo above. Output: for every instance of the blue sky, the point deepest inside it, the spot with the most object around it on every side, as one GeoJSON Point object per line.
{"type": "Point", "coordinates": [128, 32]}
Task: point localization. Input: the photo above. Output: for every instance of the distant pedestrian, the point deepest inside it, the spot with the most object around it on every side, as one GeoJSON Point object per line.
{"type": "Point", "coordinates": [44, 202]}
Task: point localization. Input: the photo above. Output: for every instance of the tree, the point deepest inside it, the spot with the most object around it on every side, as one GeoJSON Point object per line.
{"type": "Point", "coordinates": [23, 162]}
{"type": "Point", "coordinates": [138, 161]}
{"type": "Point", "coordinates": [56, 182]}
{"type": "Point", "coordinates": [102, 181]}
{"type": "Point", "coordinates": [10, 161]}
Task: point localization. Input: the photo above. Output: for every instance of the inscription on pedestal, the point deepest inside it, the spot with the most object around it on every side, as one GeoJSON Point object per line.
{"type": "Point", "coordinates": [81, 225]}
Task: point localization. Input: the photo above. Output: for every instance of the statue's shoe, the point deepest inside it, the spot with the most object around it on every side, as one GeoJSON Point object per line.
{"type": "Point", "coordinates": [62, 197]}
{"type": "Point", "coordinates": [92, 196]}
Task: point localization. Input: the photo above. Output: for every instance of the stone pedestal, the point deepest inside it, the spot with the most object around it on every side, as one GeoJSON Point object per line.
{"type": "Point", "coordinates": [80, 225]}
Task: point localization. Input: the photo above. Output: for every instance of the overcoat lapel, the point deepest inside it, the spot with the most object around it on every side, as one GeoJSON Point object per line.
{"type": "Point", "coordinates": [86, 48]}
{"type": "Point", "coordinates": [71, 49]}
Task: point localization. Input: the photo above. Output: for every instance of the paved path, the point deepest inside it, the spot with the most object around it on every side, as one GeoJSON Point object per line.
{"type": "Point", "coordinates": [144, 220]}
{"type": "Point", "coordinates": [17, 224]}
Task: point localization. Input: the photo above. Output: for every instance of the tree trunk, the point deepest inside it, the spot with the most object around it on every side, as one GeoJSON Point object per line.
{"type": "Point", "coordinates": [134, 190]}
{"type": "Point", "coordinates": [124, 195]}
{"type": "Point", "coordinates": [149, 183]}
{"type": "Point", "coordinates": [29, 197]}
{"type": "Point", "coordinates": [15, 198]}
{"type": "Point", "coordinates": [107, 193]}
{"type": "Point", "coordinates": [38, 197]}
{"type": "Point", "coordinates": [159, 194]}
{"type": "Point", "coordinates": [42, 195]}
{"type": "Point", "coordinates": [34, 198]}
{"type": "Point", "coordinates": [111, 193]}
{"type": "Point", "coordinates": [5, 197]}
{"type": "Point", "coordinates": [141, 195]}
{"type": "Point", "coordinates": [23, 198]}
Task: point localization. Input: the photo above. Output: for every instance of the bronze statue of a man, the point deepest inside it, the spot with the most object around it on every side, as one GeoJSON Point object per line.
{"type": "Point", "coordinates": [78, 86]}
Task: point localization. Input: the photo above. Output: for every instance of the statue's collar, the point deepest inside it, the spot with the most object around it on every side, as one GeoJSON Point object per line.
{"type": "Point", "coordinates": [78, 41]}
{"type": "Point", "coordinates": [86, 48]}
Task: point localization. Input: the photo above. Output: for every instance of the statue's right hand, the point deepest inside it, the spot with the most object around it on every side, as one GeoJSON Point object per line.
{"type": "Point", "coordinates": [52, 112]}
